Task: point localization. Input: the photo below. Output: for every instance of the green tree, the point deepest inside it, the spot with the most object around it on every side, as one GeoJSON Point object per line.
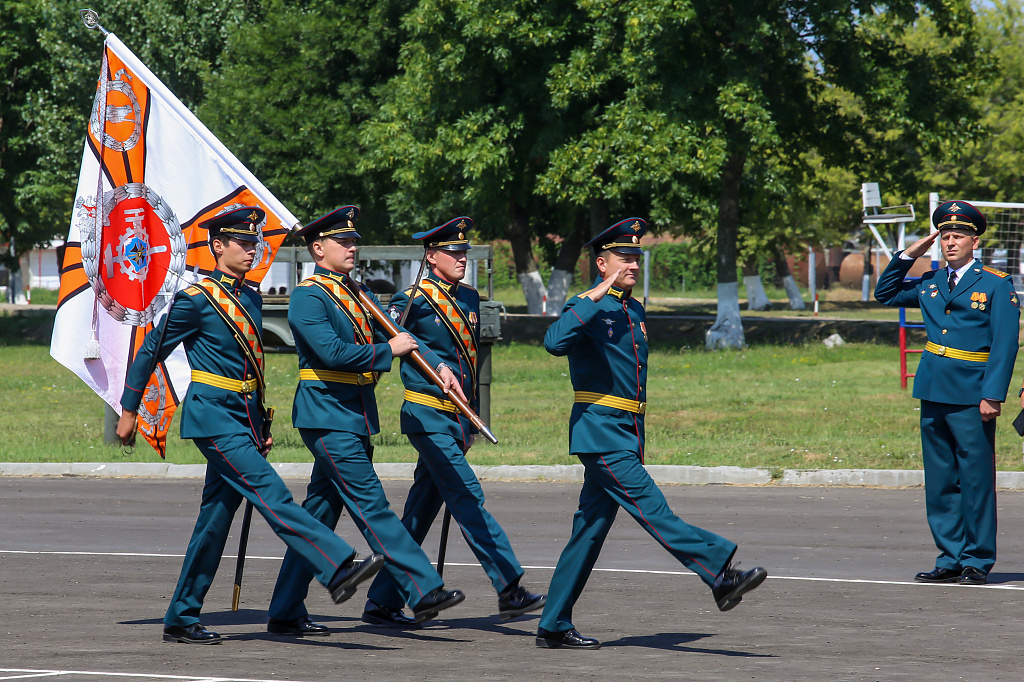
{"type": "Point", "coordinates": [467, 125]}
{"type": "Point", "coordinates": [290, 105]}
{"type": "Point", "coordinates": [49, 64]}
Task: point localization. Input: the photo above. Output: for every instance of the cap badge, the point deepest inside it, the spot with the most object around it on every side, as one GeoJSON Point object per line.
{"type": "Point", "coordinates": [461, 225]}
{"type": "Point", "coordinates": [954, 209]}
{"type": "Point", "coordinates": [350, 213]}
{"type": "Point", "coordinates": [461, 236]}
{"type": "Point", "coordinates": [635, 226]}
{"type": "Point", "coordinates": [635, 240]}
{"type": "Point", "coordinates": [254, 216]}
{"type": "Point", "coordinates": [351, 225]}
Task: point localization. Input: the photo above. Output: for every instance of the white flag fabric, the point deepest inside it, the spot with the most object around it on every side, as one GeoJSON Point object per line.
{"type": "Point", "coordinates": [151, 172]}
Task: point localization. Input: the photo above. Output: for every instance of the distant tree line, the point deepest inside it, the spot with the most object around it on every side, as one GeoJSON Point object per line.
{"type": "Point", "coordinates": [745, 125]}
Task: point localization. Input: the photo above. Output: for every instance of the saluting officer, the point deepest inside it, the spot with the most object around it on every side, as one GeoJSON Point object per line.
{"type": "Point", "coordinates": [335, 411]}
{"type": "Point", "coordinates": [971, 314]}
{"type": "Point", "coordinates": [219, 321]}
{"type": "Point", "coordinates": [444, 313]}
{"type": "Point", "coordinates": [602, 331]}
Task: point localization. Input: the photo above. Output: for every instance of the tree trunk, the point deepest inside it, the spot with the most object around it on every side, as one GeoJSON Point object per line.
{"type": "Point", "coordinates": [599, 222]}
{"type": "Point", "coordinates": [782, 271]}
{"type": "Point", "coordinates": [727, 331]}
{"type": "Point", "coordinates": [565, 265]}
{"type": "Point", "coordinates": [526, 265]}
{"type": "Point", "coordinates": [757, 299]}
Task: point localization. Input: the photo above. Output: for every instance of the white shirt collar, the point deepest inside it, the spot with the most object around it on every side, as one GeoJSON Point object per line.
{"type": "Point", "coordinates": [960, 271]}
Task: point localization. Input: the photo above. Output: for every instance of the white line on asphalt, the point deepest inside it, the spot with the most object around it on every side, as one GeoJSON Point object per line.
{"type": "Point", "coordinates": [146, 676]}
{"type": "Point", "coordinates": [550, 568]}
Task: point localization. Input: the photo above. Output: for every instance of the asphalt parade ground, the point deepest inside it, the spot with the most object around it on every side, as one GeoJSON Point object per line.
{"type": "Point", "coordinates": [87, 567]}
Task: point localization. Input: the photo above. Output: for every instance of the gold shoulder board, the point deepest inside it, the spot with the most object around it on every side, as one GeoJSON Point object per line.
{"type": "Point", "coordinates": [996, 272]}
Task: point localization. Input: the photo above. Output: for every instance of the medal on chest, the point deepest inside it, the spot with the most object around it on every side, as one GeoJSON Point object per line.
{"type": "Point", "coordinates": [610, 323]}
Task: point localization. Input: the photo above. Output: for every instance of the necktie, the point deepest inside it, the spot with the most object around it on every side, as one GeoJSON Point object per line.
{"type": "Point", "coordinates": [952, 279]}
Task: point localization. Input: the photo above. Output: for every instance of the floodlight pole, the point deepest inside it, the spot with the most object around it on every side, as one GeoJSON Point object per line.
{"type": "Point", "coordinates": [933, 203]}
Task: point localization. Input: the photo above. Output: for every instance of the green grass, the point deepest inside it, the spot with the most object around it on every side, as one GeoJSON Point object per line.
{"type": "Point", "coordinates": [832, 303]}
{"type": "Point", "coordinates": [770, 406]}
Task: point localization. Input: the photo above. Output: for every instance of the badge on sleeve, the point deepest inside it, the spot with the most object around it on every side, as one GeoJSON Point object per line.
{"type": "Point", "coordinates": [1013, 300]}
{"type": "Point", "coordinates": [394, 312]}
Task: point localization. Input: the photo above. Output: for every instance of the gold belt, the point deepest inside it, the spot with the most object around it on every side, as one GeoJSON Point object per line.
{"type": "Point", "coordinates": [337, 377]}
{"type": "Point", "coordinates": [430, 401]}
{"type": "Point", "coordinates": [233, 385]}
{"type": "Point", "coordinates": [634, 406]}
{"type": "Point", "coordinates": [948, 352]}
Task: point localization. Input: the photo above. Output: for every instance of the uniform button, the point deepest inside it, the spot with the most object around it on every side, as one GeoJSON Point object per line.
{"type": "Point", "coordinates": [948, 311]}
{"type": "Point", "coordinates": [248, 376]}
{"type": "Point", "coordinates": [943, 331]}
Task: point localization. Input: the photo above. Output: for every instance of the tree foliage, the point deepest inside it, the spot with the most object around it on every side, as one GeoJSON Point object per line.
{"type": "Point", "coordinates": [49, 64]}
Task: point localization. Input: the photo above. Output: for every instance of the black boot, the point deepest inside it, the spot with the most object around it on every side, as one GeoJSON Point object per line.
{"type": "Point", "coordinates": [731, 584]}
{"type": "Point", "coordinates": [352, 572]}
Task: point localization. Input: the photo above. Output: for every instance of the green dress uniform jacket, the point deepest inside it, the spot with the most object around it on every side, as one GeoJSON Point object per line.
{"type": "Point", "coordinates": [226, 426]}
{"type": "Point", "coordinates": [607, 347]}
{"type": "Point", "coordinates": [606, 342]}
{"type": "Point", "coordinates": [972, 346]}
{"type": "Point", "coordinates": [427, 325]}
{"type": "Point", "coordinates": [210, 347]}
{"type": "Point", "coordinates": [987, 326]}
{"type": "Point", "coordinates": [326, 339]}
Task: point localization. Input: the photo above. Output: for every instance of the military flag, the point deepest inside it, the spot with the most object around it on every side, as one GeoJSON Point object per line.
{"type": "Point", "coordinates": [151, 172]}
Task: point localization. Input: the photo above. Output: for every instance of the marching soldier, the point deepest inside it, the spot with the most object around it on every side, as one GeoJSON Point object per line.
{"type": "Point", "coordinates": [335, 412]}
{"type": "Point", "coordinates": [971, 314]}
{"type": "Point", "coordinates": [444, 314]}
{"type": "Point", "coordinates": [602, 332]}
{"type": "Point", "coordinates": [219, 321]}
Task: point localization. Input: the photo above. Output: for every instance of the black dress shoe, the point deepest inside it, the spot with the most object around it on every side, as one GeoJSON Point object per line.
{"type": "Point", "coordinates": [569, 639]}
{"type": "Point", "coordinates": [297, 627]}
{"type": "Point", "coordinates": [196, 633]}
{"type": "Point", "coordinates": [343, 584]}
{"type": "Point", "coordinates": [939, 575]}
{"type": "Point", "coordinates": [434, 602]}
{"type": "Point", "coordinates": [973, 576]}
{"type": "Point", "coordinates": [731, 584]}
{"type": "Point", "coordinates": [516, 601]}
{"type": "Point", "coordinates": [375, 614]}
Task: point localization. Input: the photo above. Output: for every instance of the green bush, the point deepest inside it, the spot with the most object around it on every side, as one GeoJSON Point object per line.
{"type": "Point", "coordinates": [675, 262]}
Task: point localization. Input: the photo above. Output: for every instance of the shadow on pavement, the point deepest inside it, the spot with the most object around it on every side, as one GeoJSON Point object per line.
{"type": "Point", "coordinates": [676, 640]}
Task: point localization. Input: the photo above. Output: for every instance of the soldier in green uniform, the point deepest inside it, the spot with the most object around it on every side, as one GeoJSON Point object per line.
{"type": "Point", "coordinates": [444, 314]}
{"type": "Point", "coordinates": [219, 321]}
{"type": "Point", "coordinates": [341, 350]}
{"type": "Point", "coordinates": [603, 333]}
{"type": "Point", "coordinates": [971, 314]}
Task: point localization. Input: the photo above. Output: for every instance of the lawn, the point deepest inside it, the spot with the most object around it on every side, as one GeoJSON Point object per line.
{"type": "Point", "coordinates": [768, 406]}
{"type": "Point", "coordinates": [832, 303]}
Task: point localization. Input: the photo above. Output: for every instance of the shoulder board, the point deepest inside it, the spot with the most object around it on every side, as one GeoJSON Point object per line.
{"type": "Point", "coordinates": [305, 283]}
{"type": "Point", "coordinates": [584, 294]}
{"type": "Point", "coordinates": [466, 287]}
{"type": "Point", "coordinates": [996, 272]}
{"type": "Point", "coordinates": [192, 290]}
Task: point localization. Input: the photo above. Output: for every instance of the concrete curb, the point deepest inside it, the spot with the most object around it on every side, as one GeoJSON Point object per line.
{"type": "Point", "coordinates": [563, 473]}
